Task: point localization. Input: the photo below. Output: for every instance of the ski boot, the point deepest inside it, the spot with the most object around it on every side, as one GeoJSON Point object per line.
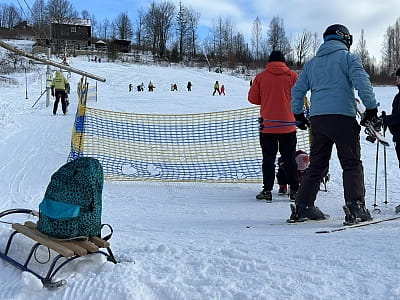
{"type": "Point", "coordinates": [301, 213]}
{"type": "Point", "coordinates": [264, 195]}
{"type": "Point", "coordinates": [282, 189]}
{"type": "Point", "coordinates": [292, 195]}
{"type": "Point", "coordinates": [355, 212]}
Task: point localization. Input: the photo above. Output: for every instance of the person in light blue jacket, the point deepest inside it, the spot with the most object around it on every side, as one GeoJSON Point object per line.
{"type": "Point", "coordinates": [331, 77]}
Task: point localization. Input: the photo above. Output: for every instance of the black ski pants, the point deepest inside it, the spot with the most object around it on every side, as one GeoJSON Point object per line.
{"type": "Point", "coordinates": [60, 95]}
{"type": "Point", "coordinates": [286, 144]}
{"type": "Point", "coordinates": [344, 132]}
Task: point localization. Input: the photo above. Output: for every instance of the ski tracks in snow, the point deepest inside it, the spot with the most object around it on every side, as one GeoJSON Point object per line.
{"type": "Point", "coordinates": [23, 152]}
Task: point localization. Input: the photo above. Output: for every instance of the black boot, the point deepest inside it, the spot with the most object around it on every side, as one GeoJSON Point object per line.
{"type": "Point", "coordinates": [264, 195]}
{"type": "Point", "coordinates": [356, 212]}
{"type": "Point", "coordinates": [301, 213]}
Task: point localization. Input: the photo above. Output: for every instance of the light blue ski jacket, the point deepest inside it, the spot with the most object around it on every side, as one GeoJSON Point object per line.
{"type": "Point", "coordinates": [331, 76]}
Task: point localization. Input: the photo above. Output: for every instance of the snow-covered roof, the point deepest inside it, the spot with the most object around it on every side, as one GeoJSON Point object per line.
{"type": "Point", "coordinates": [74, 21]}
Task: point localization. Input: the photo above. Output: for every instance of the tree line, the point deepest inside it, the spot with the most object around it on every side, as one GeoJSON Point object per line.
{"type": "Point", "coordinates": [172, 32]}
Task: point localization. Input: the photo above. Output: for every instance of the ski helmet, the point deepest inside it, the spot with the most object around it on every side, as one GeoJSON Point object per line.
{"type": "Point", "coordinates": [340, 33]}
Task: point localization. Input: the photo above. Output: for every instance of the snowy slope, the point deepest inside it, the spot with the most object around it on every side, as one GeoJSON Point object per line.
{"type": "Point", "coordinates": [191, 240]}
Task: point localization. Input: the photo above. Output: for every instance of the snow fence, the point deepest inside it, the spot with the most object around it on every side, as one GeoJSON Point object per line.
{"type": "Point", "coordinates": [209, 147]}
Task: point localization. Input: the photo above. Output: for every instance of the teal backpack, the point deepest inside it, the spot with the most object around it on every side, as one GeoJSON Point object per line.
{"type": "Point", "coordinates": [71, 206]}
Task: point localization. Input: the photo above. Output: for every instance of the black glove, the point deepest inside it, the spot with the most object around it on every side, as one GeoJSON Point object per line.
{"type": "Point", "coordinates": [301, 121]}
{"type": "Point", "coordinates": [369, 115]}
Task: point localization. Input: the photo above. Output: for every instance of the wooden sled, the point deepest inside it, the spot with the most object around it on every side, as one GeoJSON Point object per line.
{"type": "Point", "coordinates": [67, 250]}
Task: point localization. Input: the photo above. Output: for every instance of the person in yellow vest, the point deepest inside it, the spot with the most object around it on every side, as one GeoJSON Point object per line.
{"type": "Point", "coordinates": [60, 88]}
{"type": "Point", "coordinates": [216, 88]}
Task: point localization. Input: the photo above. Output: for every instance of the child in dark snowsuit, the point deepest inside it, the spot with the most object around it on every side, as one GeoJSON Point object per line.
{"type": "Point", "coordinates": [302, 161]}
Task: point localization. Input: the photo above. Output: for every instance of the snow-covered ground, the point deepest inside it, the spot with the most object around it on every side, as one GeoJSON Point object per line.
{"type": "Point", "coordinates": [191, 240]}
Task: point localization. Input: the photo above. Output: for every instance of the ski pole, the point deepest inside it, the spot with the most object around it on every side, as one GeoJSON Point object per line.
{"type": "Point", "coordinates": [384, 160]}
{"type": "Point", "coordinates": [385, 170]}
{"type": "Point", "coordinates": [376, 175]}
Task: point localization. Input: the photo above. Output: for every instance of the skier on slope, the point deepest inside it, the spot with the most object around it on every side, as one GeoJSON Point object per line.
{"type": "Point", "coordinates": [332, 75]}
{"type": "Point", "coordinates": [393, 121]}
{"type": "Point", "coordinates": [60, 89]}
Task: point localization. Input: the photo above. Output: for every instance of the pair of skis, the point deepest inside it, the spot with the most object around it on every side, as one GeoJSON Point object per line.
{"type": "Point", "coordinates": [344, 227]}
{"type": "Point", "coordinates": [372, 133]}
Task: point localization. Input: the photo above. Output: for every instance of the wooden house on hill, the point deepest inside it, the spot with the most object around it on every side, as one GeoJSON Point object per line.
{"type": "Point", "coordinates": [71, 33]}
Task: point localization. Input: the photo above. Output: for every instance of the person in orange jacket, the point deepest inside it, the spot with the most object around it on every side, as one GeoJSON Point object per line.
{"type": "Point", "coordinates": [271, 89]}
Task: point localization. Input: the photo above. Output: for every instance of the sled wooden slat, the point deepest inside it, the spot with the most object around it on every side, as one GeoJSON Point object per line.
{"type": "Point", "coordinates": [89, 246]}
{"type": "Point", "coordinates": [99, 242]}
{"type": "Point", "coordinates": [68, 244]}
{"type": "Point", "coordinates": [44, 241]}
{"type": "Point", "coordinates": [65, 248]}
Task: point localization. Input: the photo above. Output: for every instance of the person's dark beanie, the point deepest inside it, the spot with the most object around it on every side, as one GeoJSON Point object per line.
{"type": "Point", "coordinates": [398, 72]}
{"type": "Point", "coordinates": [276, 56]}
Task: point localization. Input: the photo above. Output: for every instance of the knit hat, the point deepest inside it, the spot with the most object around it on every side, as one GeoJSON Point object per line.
{"type": "Point", "coordinates": [276, 56]}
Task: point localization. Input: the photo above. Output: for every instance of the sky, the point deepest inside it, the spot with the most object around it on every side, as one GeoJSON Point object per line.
{"type": "Point", "coordinates": [371, 15]}
{"type": "Point", "coordinates": [188, 240]}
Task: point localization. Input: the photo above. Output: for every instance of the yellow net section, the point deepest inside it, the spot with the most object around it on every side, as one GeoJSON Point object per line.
{"type": "Point", "coordinates": [210, 147]}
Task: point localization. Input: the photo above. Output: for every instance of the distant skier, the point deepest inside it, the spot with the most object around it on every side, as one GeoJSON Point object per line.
{"type": "Point", "coordinates": [60, 88]}
{"type": "Point", "coordinates": [222, 90]}
{"type": "Point", "coordinates": [130, 87]}
{"type": "Point", "coordinates": [140, 87]}
{"type": "Point", "coordinates": [332, 75]}
{"type": "Point", "coordinates": [151, 86]}
{"type": "Point", "coordinates": [189, 86]}
{"type": "Point", "coordinates": [216, 88]}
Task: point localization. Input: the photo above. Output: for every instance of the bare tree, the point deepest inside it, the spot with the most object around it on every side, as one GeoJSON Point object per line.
{"type": "Point", "coordinates": [59, 11]}
{"type": "Point", "coordinates": [139, 28]}
{"type": "Point", "coordinates": [193, 22]}
{"type": "Point", "coordinates": [362, 52]}
{"type": "Point", "coordinates": [276, 36]}
{"type": "Point", "coordinates": [256, 37]}
{"type": "Point", "coordinates": [182, 28]}
{"type": "Point", "coordinates": [159, 21]}
{"type": "Point", "coordinates": [39, 19]}
{"type": "Point", "coordinates": [303, 45]}
{"type": "Point", "coordinates": [10, 16]}
{"type": "Point", "coordinates": [94, 22]}
{"type": "Point", "coordinates": [106, 28]}
{"type": "Point", "coordinates": [123, 26]}
{"type": "Point", "coordinates": [391, 48]}
{"type": "Point", "coordinates": [103, 29]}
{"type": "Point", "coordinates": [240, 49]}
{"type": "Point", "coordinates": [219, 34]}
{"type": "Point", "coordinates": [38, 13]}
{"type": "Point", "coordinates": [315, 43]}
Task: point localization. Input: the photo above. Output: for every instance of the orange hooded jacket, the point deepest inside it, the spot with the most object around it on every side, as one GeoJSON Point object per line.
{"type": "Point", "coordinates": [271, 89]}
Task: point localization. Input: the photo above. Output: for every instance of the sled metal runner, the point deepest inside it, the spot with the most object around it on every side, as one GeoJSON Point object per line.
{"type": "Point", "coordinates": [66, 251]}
